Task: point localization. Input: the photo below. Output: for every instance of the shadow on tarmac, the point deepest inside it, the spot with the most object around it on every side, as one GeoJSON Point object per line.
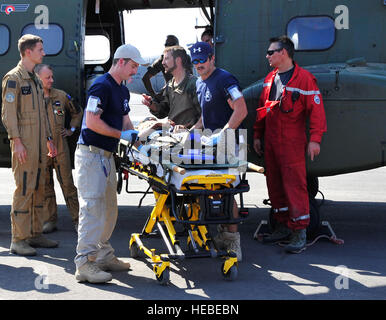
{"type": "Point", "coordinates": [266, 272]}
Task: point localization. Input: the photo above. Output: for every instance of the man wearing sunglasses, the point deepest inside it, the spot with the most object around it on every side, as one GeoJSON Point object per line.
{"type": "Point", "coordinates": [290, 95]}
{"type": "Point", "coordinates": [223, 107]}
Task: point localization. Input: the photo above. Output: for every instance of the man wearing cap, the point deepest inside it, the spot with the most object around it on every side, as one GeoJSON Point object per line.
{"type": "Point", "coordinates": [179, 100]}
{"type": "Point", "coordinates": [158, 67]}
{"type": "Point", "coordinates": [106, 120]}
{"type": "Point", "coordinates": [25, 119]}
{"type": "Point", "coordinates": [58, 105]}
{"type": "Point", "coordinates": [223, 108]}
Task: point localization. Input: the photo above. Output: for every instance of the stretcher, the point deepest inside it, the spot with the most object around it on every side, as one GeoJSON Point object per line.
{"type": "Point", "coordinates": [190, 196]}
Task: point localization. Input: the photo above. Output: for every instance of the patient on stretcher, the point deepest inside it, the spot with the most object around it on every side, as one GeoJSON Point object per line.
{"type": "Point", "coordinates": [165, 141]}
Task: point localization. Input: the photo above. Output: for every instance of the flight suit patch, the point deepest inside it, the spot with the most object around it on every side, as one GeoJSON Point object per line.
{"type": "Point", "coordinates": [10, 97]}
{"type": "Point", "coordinates": [57, 110]}
{"type": "Point", "coordinates": [11, 84]}
{"type": "Point", "coordinates": [26, 90]}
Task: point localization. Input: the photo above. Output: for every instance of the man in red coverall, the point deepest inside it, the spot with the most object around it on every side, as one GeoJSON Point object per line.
{"type": "Point", "coordinates": [290, 95]}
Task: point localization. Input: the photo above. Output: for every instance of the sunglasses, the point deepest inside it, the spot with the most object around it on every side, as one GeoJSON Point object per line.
{"type": "Point", "coordinates": [271, 52]}
{"type": "Point", "coordinates": [197, 61]}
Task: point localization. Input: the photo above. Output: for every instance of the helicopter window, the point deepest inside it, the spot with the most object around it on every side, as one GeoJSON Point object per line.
{"type": "Point", "coordinates": [96, 49]}
{"type": "Point", "coordinates": [4, 39]}
{"type": "Point", "coordinates": [311, 33]}
{"type": "Point", "coordinates": [52, 37]}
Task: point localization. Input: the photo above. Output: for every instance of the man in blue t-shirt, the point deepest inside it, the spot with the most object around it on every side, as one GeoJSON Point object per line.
{"type": "Point", "coordinates": [106, 120]}
{"type": "Point", "coordinates": [223, 108]}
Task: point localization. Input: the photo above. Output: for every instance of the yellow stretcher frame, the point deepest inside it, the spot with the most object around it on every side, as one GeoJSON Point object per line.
{"type": "Point", "coordinates": [198, 235]}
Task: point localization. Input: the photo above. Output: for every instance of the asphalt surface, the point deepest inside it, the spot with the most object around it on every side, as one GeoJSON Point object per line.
{"type": "Point", "coordinates": [354, 205]}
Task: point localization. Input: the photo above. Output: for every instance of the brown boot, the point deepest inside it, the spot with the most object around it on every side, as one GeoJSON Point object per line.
{"type": "Point", "coordinates": [49, 226]}
{"type": "Point", "coordinates": [42, 242]}
{"type": "Point", "coordinates": [22, 248]}
{"type": "Point", "coordinates": [232, 243]}
{"type": "Point", "coordinates": [114, 265]}
{"type": "Point", "coordinates": [91, 273]}
{"type": "Point", "coordinates": [219, 238]}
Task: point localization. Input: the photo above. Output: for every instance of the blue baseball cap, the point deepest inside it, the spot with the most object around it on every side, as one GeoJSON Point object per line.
{"type": "Point", "coordinates": [200, 50]}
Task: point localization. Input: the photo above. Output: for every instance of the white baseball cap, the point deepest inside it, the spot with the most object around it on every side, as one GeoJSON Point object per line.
{"type": "Point", "coordinates": [127, 51]}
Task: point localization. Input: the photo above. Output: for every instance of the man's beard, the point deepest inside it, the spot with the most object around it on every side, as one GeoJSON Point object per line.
{"type": "Point", "coordinates": [170, 70]}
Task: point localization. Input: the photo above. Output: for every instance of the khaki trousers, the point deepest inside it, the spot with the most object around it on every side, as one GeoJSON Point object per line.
{"type": "Point", "coordinates": [27, 214]}
{"type": "Point", "coordinates": [62, 165]}
{"type": "Point", "coordinates": [96, 180]}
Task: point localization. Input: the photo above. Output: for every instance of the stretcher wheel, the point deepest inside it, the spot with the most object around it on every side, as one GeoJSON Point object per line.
{"type": "Point", "coordinates": [134, 250]}
{"type": "Point", "coordinates": [231, 274]}
{"type": "Point", "coordinates": [164, 278]}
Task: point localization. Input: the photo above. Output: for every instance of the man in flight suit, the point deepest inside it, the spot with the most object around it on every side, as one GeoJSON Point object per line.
{"type": "Point", "coordinates": [25, 119]}
{"type": "Point", "coordinates": [290, 95]}
{"type": "Point", "coordinates": [58, 103]}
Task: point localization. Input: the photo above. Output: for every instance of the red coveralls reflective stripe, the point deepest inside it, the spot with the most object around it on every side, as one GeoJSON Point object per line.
{"type": "Point", "coordinates": [283, 126]}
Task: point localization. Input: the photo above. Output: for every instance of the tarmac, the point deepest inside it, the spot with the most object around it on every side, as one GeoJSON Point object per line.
{"type": "Point", "coordinates": [354, 205]}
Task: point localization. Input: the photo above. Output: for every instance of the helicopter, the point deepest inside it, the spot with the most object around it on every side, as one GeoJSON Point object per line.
{"type": "Point", "coordinates": [340, 42]}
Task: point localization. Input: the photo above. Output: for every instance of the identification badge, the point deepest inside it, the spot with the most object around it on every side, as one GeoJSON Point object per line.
{"type": "Point", "coordinates": [26, 90]}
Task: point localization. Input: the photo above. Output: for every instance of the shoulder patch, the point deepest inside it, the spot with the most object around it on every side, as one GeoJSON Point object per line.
{"type": "Point", "coordinates": [11, 84]}
{"type": "Point", "coordinates": [10, 97]}
{"type": "Point", "coordinates": [317, 99]}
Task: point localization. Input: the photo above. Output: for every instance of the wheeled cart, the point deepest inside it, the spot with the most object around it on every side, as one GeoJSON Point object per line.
{"type": "Point", "coordinates": [192, 197]}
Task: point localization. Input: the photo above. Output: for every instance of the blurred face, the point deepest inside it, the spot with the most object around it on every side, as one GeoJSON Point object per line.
{"type": "Point", "coordinates": [47, 77]}
{"type": "Point", "coordinates": [204, 69]}
{"type": "Point", "coordinates": [275, 55]}
{"type": "Point", "coordinates": [208, 39]}
{"type": "Point", "coordinates": [169, 62]}
{"type": "Point", "coordinates": [128, 69]}
{"type": "Point", "coordinates": [36, 54]}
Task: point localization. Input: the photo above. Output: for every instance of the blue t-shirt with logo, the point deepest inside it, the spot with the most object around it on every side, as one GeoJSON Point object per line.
{"type": "Point", "coordinates": [213, 95]}
{"type": "Point", "coordinates": [114, 101]}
